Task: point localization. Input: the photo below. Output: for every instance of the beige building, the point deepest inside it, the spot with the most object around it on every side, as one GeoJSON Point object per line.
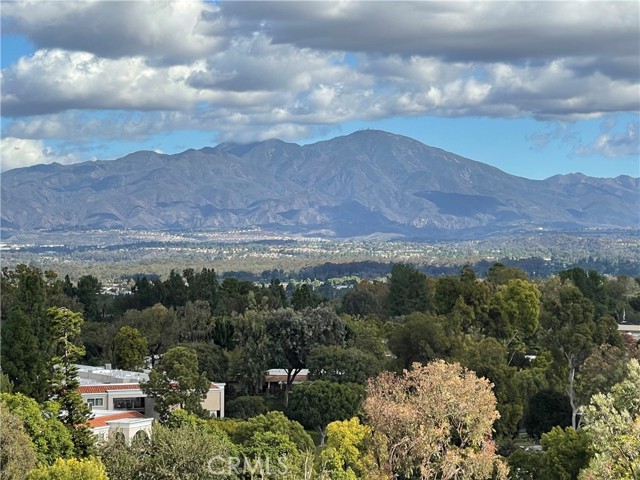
{"type": "Point", "coordinates": [119, 405]}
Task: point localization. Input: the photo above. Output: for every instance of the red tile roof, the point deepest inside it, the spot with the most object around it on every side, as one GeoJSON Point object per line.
{"type": "Point", "coordinates": [106, 387]}
{"type": "Point", "coordinates": [102, 420]}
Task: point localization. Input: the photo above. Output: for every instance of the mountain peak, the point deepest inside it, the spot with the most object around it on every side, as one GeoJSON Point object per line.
{"type": "Point", "coordinates": [367, 182]}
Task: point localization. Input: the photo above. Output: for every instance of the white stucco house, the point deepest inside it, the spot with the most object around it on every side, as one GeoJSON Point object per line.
{"type": "Point", "coordinates": [120, 406]}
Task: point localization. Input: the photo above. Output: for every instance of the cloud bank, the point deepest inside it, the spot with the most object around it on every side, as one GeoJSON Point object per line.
{"type": "Point", "coordinates": [252, 70]}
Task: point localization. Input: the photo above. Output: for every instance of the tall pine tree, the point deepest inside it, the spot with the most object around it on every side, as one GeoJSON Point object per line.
{"type": "Point", "coordinates": [65, 330]}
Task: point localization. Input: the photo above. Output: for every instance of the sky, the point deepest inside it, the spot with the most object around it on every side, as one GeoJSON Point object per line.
{"type": "Point", "coordinates": [533, 88]}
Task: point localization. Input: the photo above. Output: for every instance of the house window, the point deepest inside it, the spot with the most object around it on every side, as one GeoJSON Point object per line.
{"type": "Point", "coordinates": [95, 402]}
{"type": "Point", "coordinates": [135, 403]}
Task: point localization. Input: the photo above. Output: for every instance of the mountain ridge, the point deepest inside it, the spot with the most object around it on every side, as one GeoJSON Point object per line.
{"type": "Point", "coordinates": [364, 183]}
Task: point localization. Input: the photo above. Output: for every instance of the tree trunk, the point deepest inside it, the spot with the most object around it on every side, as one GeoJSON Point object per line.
{"type": "Point", "coordinates": [323, 435]}
{"type": "Point", "coordinates": [572, 395]}
{"type": "Point", "coordinates": [292, 373]}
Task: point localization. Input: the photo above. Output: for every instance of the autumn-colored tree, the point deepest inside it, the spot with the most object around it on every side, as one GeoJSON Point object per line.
{"type": "Point", "coordinates": [435, 421]}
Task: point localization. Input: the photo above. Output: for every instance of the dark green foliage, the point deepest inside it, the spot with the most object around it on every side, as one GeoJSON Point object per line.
{"type": "Point", "coordinates": [421, 338]}
{"type": "Point", "coordinates": [407, 291]}
{"type": "Point", "coordinates": [547, 409]}
{"type": "Point", "coordinates": [183, 452]}
{"type": "Point", "coordinates": [274, 422]}
{"type": "Point", "coordinates": [489, 359]}
{"type": "Point", "coordinates": [360, 301]}
{"type": "Point", "coordinates": [499, 274]}
{"type": "Point", "coordinates": [26, 343]}
{"type": "Point", "coordinates": [175, 291]}
{"type": "Point", "coordinates": [245, 407]}
{"type": "Point", "coordinates": [293, 335]}
{"type": "Point", "coordinates": [343, 365]}
{"type": "Point", "coordinates": [176, 382]}
{"type": "Point", "coordinates": [303, 297]}
{"type": "Point", "coordinates": [366, 334]}
{"type": "Point", "coordinates": [130, 347]}
{"type": "Point", "coordinates": [202, 286]}
{"type": "Point", "coordinates": [525, 465]}
{"type": "Point", "coordinates": [316, 404]}
{"type": "Point", "coordinates": [250, 359]}
{"type": "Point", "coordinates": [567, 451]}
{"type": "Point", "coordinates": [88, 293]}
{"type": "Point", "coordinates": [157, 324]}
{"type": "Point", "coordinates": [212, 360]}
{"type": "Point", "coordinates": [592, 285]}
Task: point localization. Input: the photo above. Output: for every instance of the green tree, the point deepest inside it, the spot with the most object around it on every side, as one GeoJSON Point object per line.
{"type": "Point", "coordinates": [213, 361]}
{"type": "Point", "coordinates": [293, 335]}
{"type": "Point", "coordinates": [275, 422]}
{"type": "Point", "coordinates": [17, 453]}
{"type": "Point", "coordinates": [421, 338]}
{"type": "Point", "coordinates": [88, 293]}
{"type": "Point", "coordinates": [435, 421]}
{"type": "Point", "coordinates": [488, 358]}
{"type": "Point", "coordinates": [130, 347]}
{"type": "Point", "coordinates": [366, 334]}
{"type": "Point", "coordinates": [606, 366]}
{"type": "Point", "coordinates": [613, 422]}
{"type": "Point", "coordinates": [316, 404]}
{"type": "Point", "coordinates": [25, 343]}
{"type": "Point", "coordinates": [361, 301]}
{"type": "Point", "coordinates": [249, 361]}
{"type": "Point", "coordinates": [175, 382]}
{"type": "Point", "coordinates": [245, 407]}
{"type": "Point", "coordinates": [547, 409]}
{"type": "Point", "coordinates": [268, 454]}
{"type": "Point", "coordinates": [203, 286]}
{"type": "Point", "coordinates": [518, 304]}
{"type": "Point", "coordinates": [49, 436]}
{"type": "Point", "coordinates": [158, 325]}
{"type": "Point", "coordinates": [71, 469]}
{"type": "Point", "coordinates": [567, 319]}
{"type": "Point", "coordinates": [342, 365]}
{"type": "Point", "coordinates": [567, 452]}
{"type": "Point", "coordinates": [195, 322]}
{"type": "Point", "coordinates": [500, 274]}
{"type": "Point", "coordinates": [407, 291]}
{"type": "Point", "coordinates": [74, 412]}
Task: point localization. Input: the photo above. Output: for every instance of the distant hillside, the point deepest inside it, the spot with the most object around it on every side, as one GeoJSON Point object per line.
{"type": "Point", "coordinates": [366, 183]}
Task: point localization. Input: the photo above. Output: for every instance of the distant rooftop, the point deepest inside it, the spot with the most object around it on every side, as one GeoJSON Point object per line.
{"type": "Point", "coordinates": [92, 375]}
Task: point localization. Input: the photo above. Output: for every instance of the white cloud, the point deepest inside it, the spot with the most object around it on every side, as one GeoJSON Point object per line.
{"type": "Point", "coordinates": [57, 80]}
{"type": "Point", "coordinates": [614, 144]}
{"type": "Point", "coordinates": [252, 70]}
{"type": "Point", "coordinates": [20, 152]}
{"type": "Point", "coordinates": [166, 31]}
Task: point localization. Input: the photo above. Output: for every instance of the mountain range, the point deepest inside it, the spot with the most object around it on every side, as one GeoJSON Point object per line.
{"type": "Point", "coordinates": [367, 183]}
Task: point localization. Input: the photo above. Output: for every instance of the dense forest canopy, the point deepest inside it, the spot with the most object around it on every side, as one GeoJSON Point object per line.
{"type": "Point", "coordinates": [543, 358]}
